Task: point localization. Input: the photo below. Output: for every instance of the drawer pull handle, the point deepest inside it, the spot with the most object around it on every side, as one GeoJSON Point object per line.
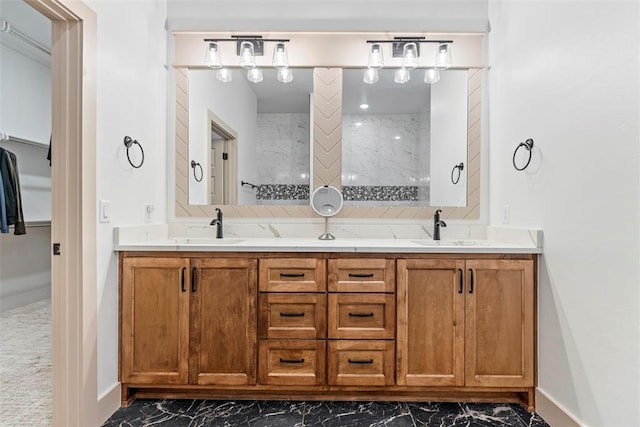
{"type": "Point", "coordinates": [291, 360]}
{"type": "Point", "coordinates": [361, 362]}
{"type": "Point", "coordinates": [360, 276]}
{"type": "Point", "coordinates": [471, 287]}
{"type": "Point", "coordinates": [182, 279]}
{"type": "Point", "coordinates": [193, 279]}
{"type": "Point", "coordinates": [460, 290]}
{"type": "Point", "coordinates": [360, 314]}
{"type": "Point", "coordinates": [291, 274]}
{"type": "Point", "coordinates": [285, 314]}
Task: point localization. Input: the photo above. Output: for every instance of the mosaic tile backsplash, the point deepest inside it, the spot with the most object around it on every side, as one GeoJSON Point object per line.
{"type": "Point", "coordinates": [350, 193]}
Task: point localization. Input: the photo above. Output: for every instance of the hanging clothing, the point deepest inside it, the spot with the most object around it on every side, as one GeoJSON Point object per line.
{"type": "Point", "coordinates": [4, 226]}
{"type": "Point", "coordinates": [11, 188]}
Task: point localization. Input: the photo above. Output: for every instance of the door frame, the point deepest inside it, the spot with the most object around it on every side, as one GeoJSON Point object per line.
{"type": "Point", "coordinates": [73, 216]}
{"type": "Point", "coordinates": [215, 123]}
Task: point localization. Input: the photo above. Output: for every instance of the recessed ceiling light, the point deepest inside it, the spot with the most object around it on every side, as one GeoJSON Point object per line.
{"type": "Point", "coordinates": [358, 123]}
{"type": "Point", "coordinates": [396, 137]}
{"type": "Point", "coordinates": [364, 106]}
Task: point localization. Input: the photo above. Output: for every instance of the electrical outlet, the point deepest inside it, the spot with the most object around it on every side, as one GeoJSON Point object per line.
{"type": "Point", "coordinates": [506, 214]}
{"type": "Point", "coordinates": [148, 210]}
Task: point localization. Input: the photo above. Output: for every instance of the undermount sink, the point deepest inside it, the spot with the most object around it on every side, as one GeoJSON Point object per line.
{"type": "Point", "coordinates": [429, 242]}
{"type": "Point", "coordinates": [206, 241]}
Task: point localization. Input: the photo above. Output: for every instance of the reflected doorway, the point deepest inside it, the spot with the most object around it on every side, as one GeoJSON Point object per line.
{"type": "Point", "coordinates": [223, 164]}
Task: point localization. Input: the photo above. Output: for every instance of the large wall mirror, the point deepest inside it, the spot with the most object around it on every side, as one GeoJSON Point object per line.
{"type": "Point", "coordinates": [252, 140]}
{"type": "Point", "coordinates": [402, 141]}
{"type": "Point", "coordinates": [263, 147]}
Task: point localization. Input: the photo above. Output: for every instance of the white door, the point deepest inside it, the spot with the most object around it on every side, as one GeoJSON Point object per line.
{"type": "Point", "coordinates": [217, 172]}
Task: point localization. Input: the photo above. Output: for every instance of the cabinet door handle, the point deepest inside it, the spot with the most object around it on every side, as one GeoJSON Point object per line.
{"type": "Point", "coordinates": [461, 288]}
{"type": "Point", "coordinates": [182, 279]}
{"type": "Point", "coordinates": [360, 275]}
{"type": "Point", "coordinates": [291, 360]}
{"type": "Point", "coordinates": [471, 283]}
{"type": "Point", "coordinates": [286, 314]}
{"type": "Point", "coordinates": [360, 314]}
{"type": "Point", "coordinates": [291, 274]}
{"type": "Point", "coordinates": [361, 362]}
{"type": "Point", "coordinates": [193, 279]}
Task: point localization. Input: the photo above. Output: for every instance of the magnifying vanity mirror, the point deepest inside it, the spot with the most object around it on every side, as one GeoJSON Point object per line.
{"type": "Point", "coordinates": [326, 201]}
{"type": "Point", "coordinates": [264, 147]}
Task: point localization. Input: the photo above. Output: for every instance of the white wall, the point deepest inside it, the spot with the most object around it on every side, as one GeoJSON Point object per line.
{"type": "Point", "coordinates": [237, 106]}
{"type": "Point", "coordinates": [131, 100]}
{"type": "Point", "coordinates": [567, 75]}
{"type": "Point", "coordinates": [448, 138]}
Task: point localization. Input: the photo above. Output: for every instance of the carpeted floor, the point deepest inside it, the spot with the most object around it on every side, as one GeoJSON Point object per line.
{"type": "Point", "coordinates": [25, 366]}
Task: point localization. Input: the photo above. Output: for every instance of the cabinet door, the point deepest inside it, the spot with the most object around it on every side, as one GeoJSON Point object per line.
{"type": "Point", "coordinates": [223, 321]}
{"type": "Point", "coordinates": [155, 321]}
{"type": "Point", "coordinates": [499, 323]}
{"type": "Point", "coordinates": [430, 319]}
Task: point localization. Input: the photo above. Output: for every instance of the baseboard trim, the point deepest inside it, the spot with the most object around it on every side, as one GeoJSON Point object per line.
{"type": "Point", "coordinates": [109, 402]}
{"type": "Point", "coordinates": [553, 413]}
{"type": "Point", "coordinates": [24, 298]}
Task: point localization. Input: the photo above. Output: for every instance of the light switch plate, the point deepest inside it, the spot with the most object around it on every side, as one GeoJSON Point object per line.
{"type": "Point", "coordinates": [506, 214]}
{"type": "Point", "coordinates": [104, 212]}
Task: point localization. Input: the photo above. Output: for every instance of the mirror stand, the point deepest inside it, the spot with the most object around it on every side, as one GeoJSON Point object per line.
{"type": "Point", "coordinates": [326, 235]}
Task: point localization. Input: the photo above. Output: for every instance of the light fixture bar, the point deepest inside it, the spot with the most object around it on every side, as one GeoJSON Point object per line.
{"type": "Point", "coordinates": [400, 42]}
{"type": "Point", "coordinates": [257, 41]}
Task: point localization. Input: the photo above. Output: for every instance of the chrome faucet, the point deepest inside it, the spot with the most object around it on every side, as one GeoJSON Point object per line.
{"type": "Point", "coordinates": [217, 221]}
{"type": "Point", "coordinates": [437, 223]}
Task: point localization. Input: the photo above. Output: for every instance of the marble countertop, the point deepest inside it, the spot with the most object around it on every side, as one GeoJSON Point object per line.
{"type": "Point", "coordinates": [126, 240]}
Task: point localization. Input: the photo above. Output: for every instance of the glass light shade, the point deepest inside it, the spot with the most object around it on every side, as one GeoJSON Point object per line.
{"type": "Point", "coordinates": [254, 75]}
{"type": "Point", "coordinates": [443, 57]}
{"type": "Point", "coordinates": [409, 56]}
{"type": "Point", "coordinates": [370, 76]}
{"type": "Point", "coordinates": [402, 76]}
{"type": "Point", "coordinates": [280, 56]}
{"type": "Point", "coordinates": [224, 75]}
{"type": "Point", "coordinates": [285, 75]}
{"type": "Point", "coordinates": [376, 59]}
{"type": "Point", "coordinates": [431, 76]}
{"type": "Point", "coordinates": [247, 57]}
{"type": "Point", "coordinates": [212, 57]}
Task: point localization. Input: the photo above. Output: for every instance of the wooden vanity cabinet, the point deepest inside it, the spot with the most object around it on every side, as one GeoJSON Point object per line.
{"type": "Point", "coordinates": [329, 326]}
{"type": "Point", "coordinates": [465, 323]}
{"type": "Point", "coordinates": [188, 321]}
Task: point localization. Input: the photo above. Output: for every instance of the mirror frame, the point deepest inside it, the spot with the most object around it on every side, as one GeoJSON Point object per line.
{"type": "Point", "coordinates": [327, 151]}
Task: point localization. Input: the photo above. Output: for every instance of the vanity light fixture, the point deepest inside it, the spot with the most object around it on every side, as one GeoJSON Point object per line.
{"type": "Point", "coordinates": [443, 57]}
{"type": "Point", "coordinates": [402, 76]}
{"type": "Point", "coordinates": [212, 57]}
{"type": "Point", "coordinates": [408, 48]}
{"type": "Point", "coordinates": [431, 76]}
{"type": "Point", "coordinates": [247, 55]}
{"type": "Point", "coordinates": [224, 75]}
{"type": "Point", "coordinates": [280, 56]}
{"type": "Point", "coordinates": [285, 75]}
{"type": "Point", "coordinates": [254, 75]}
{"type": "Point", "coordinates": [410, 56]}
{"type": "Point", "coordinates": [370, 76]}
{"type": "Point", "coordinates": [376, 59]}
{"type": "Point", "coordinates": [247, 48]}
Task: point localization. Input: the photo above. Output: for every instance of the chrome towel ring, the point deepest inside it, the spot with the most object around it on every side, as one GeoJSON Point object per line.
{"type": "Point", "coordinates": [129, 142]}
{"type": "Point", "coordinates": [528, 145]}
{"type": "Point", "coordinates": [459, 168]}
{"type": "Point", "coordinates": [195, 176]}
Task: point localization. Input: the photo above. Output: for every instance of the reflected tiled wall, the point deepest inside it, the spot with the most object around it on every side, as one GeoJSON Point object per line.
{"type": "Point", "coordinates": [386, 150]}
{"type": "Point", "coordinates": [283, 148]}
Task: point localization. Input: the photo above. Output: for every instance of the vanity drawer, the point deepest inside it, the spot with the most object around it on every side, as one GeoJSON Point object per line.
{"type": "Point", "coordinates": [361, 363]}
{"type": "Point", "coordinates": [362, 275]}
{"type": "Point", "coordinates": [292, 275]}
{"type": "Point", "coordinates": [291, 362]}
{"type": "Point", "coordinates": [292, 315]}
{"type": "Point", "coordinates": [362, 316]}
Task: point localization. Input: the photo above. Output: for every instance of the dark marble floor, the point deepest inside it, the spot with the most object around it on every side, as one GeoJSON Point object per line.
{"type": "Point", "coordinates": [196, 413]}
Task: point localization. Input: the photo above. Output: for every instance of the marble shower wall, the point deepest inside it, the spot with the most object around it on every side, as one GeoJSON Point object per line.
{"type": "Point", "coordinates": [283, 150]}
{"type": "Point", "coordinates": [386, 151]}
